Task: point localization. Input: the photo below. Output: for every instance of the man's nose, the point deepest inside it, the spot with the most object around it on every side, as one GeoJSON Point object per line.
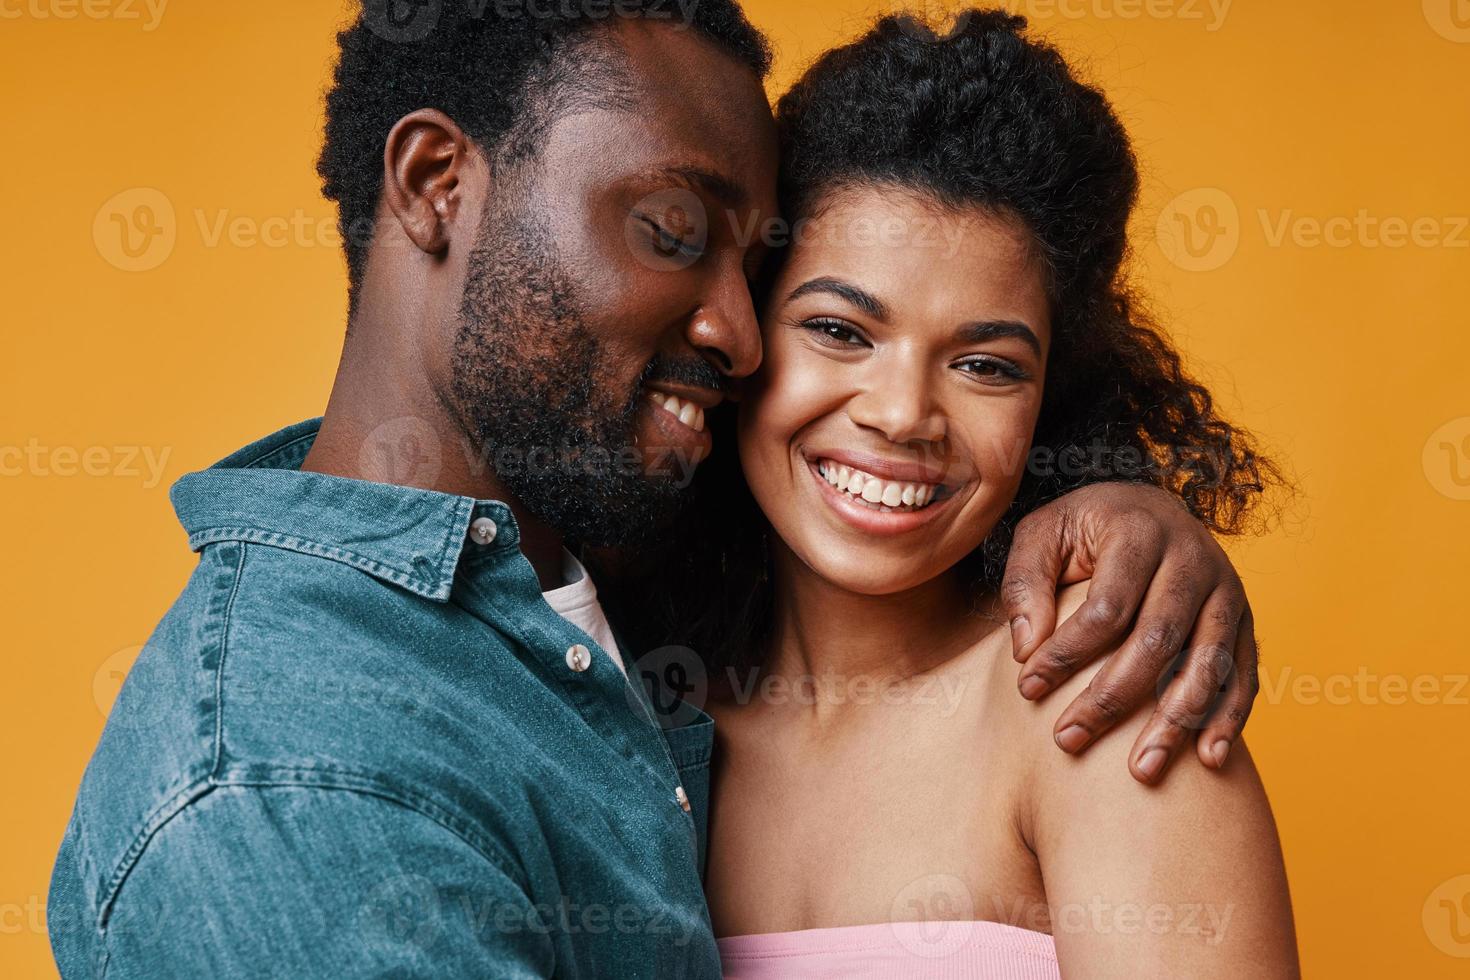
{"type": "Point", "coordinates": [724, 329]}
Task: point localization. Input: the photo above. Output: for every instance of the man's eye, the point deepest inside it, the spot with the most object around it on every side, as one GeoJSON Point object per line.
{"type": "Point", "coordinates": [833, 333]}
{"type": "Point", "coordinates": [671, 245]}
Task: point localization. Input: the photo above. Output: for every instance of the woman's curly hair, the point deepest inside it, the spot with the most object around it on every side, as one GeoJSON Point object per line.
{"type": "Point", "coordinates": [986, 117]}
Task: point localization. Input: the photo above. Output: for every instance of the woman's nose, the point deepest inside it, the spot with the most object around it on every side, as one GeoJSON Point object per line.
{"type": "Point", "coordinates": [898, 405]}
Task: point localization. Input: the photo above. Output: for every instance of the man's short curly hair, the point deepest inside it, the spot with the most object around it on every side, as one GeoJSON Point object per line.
{"type": "Point", "coordinates": [501, 69]}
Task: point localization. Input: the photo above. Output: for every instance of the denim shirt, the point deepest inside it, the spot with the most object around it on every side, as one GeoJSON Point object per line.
{"type": "Point", "coordinates": [358, 745]}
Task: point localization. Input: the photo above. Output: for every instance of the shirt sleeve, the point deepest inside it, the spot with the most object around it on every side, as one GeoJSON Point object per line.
{"type": "Point", "coordinates": [311, 882]}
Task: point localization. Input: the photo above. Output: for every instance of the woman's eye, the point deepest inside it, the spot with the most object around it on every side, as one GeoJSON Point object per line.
{"type": "Point", "coordinates": [833, 333]}
{"type": "Point", "coordinates": [993, 370]}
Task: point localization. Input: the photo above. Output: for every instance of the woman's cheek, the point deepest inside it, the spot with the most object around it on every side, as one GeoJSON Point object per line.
{"type": "Point", "coordinates": [999, 437]}
{"type": "Point", "coordinates": [796, 387]}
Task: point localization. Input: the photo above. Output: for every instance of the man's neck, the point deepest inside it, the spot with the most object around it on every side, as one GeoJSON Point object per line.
{"type": "Point", "coordinates": [385, 424]}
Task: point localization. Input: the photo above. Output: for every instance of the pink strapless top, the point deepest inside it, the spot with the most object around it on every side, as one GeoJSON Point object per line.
{"type": "Point", "coordinates": [894, 951]}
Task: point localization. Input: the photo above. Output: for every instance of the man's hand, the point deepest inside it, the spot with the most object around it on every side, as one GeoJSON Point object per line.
{"type": "Point", "coordinates": [1160, 584]}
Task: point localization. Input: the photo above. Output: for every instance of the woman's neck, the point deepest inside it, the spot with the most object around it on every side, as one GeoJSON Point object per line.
{"type": "Point", "coordinates": [836, 642]}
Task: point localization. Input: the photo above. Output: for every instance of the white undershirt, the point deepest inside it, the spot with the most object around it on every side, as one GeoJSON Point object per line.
{"type": "Point", "coordinates": [576, 602]}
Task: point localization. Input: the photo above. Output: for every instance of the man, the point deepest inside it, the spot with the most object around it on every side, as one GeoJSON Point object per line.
{"type": "Point", "coordinates": [386, 729]}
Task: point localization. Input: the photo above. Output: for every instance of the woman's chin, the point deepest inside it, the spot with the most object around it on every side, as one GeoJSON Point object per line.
{"type": "Point", "coordinates": [871, 575]}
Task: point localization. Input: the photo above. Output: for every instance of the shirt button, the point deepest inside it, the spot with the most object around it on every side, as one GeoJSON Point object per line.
{"type": "Point", "coordinates": [483, 531]}
{"type": "Point", "coordinates": [682, 797]}
{"type": "Point", "coordinates": [579, 658]}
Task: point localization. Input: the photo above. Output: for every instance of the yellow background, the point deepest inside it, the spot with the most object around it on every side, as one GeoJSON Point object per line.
{"type": "Point", "coordinates": [1348, 355]}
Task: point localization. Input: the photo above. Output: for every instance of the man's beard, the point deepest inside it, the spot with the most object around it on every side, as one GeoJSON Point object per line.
{"type": "Point", "coordinates": [529, 384]}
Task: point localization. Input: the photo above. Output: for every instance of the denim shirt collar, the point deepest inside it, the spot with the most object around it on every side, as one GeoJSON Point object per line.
{"type": "Point", "coordinates": [409, 537]}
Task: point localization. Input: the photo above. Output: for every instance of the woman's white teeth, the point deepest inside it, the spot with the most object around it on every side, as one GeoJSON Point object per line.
{"type": "Point", "coordinates": [687, 412]}
{"type": "Point", "coordinates": [875, 491]}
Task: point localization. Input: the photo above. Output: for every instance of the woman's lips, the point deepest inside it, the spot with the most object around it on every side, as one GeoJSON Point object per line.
{"type": "Point", "coordinates": [884, 468]}
{"type": "Point", "coordinates": [924, 501]}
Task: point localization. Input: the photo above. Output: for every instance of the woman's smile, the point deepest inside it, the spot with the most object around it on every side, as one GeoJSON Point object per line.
{"type": "Point", "coordinates": [876, 496]}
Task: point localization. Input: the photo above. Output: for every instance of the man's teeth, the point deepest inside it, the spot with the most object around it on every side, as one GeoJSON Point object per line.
{"type": "Point", "coordinates": [687, 412]}
{"type": "Point", "coordinates": [869, 488]}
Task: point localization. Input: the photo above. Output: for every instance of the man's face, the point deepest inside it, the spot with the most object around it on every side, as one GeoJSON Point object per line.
{"type": "Point", "coordinates": [607, 300]}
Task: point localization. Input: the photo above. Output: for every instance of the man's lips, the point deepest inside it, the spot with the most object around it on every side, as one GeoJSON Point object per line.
{"type": "Point", "coordinates": [687, 413]}
{"type": "Point", "coordinates": [676, 419]}
{"type": "Point", "coordinates": [686, 404]}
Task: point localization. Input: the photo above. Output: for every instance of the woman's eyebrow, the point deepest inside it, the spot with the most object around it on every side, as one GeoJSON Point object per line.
{"type": "Point", "coordinates": [981, 331]}
{"type": "Point", "coordinates": [861, 298]}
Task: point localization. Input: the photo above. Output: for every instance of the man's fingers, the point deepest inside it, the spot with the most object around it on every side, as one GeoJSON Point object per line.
{"type": "Point", "coordinates": [1125, 566]}
{"type": "Point", "coordinates": [1029, 589]}
{"type": "Point", "coordinates": [1226, 722]}
{"type": "Point", "coordinates": [1189, 693]}
{"type": "Point", "coordinates": [1131, 676]}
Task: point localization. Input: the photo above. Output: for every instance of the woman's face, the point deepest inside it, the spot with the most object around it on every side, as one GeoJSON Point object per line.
{"type": "Point", "coordinates": [905, 348]}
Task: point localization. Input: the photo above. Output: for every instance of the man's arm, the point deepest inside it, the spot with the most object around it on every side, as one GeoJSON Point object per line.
{"type": "Point", "coordinates": [1160, 584]}
{"type": "Point", "coordinates": [308, 882]}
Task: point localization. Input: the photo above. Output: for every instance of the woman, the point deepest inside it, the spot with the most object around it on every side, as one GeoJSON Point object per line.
{"type": "Point", "coordinates": [949, 343]}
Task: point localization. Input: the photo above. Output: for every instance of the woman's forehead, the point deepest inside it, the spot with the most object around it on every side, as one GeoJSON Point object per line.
{"type": "Point", "coordinates": [914, 252]}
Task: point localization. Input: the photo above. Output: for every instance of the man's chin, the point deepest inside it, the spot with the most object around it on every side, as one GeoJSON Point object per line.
{"type": "Point", "coordinates": [619, 514]}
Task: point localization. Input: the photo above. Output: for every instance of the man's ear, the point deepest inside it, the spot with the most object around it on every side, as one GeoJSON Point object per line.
{"type": "Point", "coordinates": [424, 163]}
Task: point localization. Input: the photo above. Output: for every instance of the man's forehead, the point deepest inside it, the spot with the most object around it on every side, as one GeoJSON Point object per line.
{"type": "Point", "coordinates": [699, 102]}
